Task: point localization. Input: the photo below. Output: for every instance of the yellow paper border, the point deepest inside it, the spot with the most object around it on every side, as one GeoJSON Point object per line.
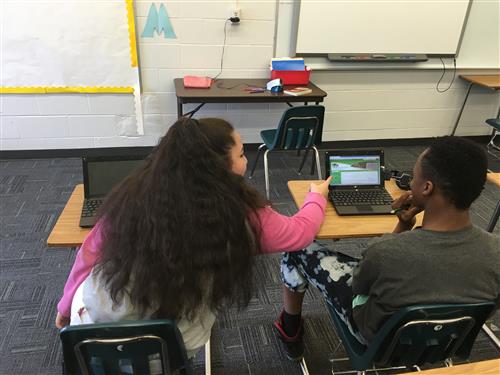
{"type": "Point", "coordinates": [61, 90]}
{"type": "Point", "coordinates": [131, 32]}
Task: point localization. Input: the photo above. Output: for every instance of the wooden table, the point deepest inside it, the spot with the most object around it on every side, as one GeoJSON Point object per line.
{"type": "Point", "coordinates": [337, 227]}
{"type": "Point", "coordinates": [491, 82]}
{"type": "Point", "coordinates": [494, 178]}
{"type": "Point", "coordinates": [233, 91]}
{"type": "Point", "coordinates": [491, 367]}
{"type": "Point", "coordinates": [67, 232]}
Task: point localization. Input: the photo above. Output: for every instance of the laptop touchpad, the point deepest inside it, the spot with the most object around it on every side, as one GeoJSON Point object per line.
{"type": "Point", "coordinates": [364, 208]}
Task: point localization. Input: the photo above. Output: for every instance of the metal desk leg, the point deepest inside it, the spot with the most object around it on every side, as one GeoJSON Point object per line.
{"type": "Point", "coordinates": [461, 109]}
{"type": "Point", "coordinates": [179, 108]}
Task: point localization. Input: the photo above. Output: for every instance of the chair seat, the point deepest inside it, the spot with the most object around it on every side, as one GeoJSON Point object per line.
{"type": "Point", "coordinates": [268, 137]}
{"type": "Point", "coordinates": [494, 122]}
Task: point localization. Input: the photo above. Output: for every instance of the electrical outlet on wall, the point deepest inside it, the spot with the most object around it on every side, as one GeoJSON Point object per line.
{"type": "Point", "coordinates": [235, 15]}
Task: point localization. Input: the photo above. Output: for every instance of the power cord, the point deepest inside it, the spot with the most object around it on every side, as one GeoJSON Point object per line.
{"type": "Point", "coordinates": [223, 48]}
{"type": "Point", "coordinates": [444, 72]}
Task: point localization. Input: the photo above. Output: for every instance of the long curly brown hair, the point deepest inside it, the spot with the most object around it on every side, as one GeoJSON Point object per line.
{"type": "Point", "coordinates": [177, 235]}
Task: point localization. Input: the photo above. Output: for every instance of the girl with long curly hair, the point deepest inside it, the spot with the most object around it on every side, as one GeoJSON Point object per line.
{"type": "Point", "coordinates": [177, 238]}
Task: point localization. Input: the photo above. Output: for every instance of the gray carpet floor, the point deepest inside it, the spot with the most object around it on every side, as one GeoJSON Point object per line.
{"type": "Point", "coordinates": [33, 192]}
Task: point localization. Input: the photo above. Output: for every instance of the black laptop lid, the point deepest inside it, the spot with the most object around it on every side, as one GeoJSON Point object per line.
{"type": "Point", "coordinates": [102, 173]}
{"type": "Point", "coordinates": [355, 169]}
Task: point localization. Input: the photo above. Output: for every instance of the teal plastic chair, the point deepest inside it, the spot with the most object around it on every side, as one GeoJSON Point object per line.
{"type": "Point", "coordinates": [125, 348]}
{"type": "Point", "coordinates": [300, 128]}
{"type": "Point", "coordinates": [416, 335]}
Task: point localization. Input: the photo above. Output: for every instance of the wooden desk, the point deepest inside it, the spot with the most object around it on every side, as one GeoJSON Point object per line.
{"type": "Point", "coordinates": [336, 227]}
{"type": "Point", "coordinates": [66, 232]}
{"type": "Point", "coordinates": [233, 91]}
{"type": "Point", "coordinates": [491, 367]}
{"type": "Point", "coordinates": [488, 81]}
{"type": "Point", "coordinates": [494, 178]}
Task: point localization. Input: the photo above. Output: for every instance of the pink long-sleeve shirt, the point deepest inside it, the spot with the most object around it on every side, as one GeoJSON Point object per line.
{"type": "Point", "coordinates": [279, 233]}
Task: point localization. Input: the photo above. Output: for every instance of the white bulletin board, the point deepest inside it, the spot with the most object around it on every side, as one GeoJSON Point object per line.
{"type": "Point", "coordinates": [79, 46]}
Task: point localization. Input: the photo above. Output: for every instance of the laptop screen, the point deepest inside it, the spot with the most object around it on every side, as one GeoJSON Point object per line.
{"type": "Point", "coordinates": [354, 170]}
{"type": "Point", "coordinates": [103, 175]}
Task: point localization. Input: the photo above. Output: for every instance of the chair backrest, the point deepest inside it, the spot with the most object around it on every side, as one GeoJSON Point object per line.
{"type": "Point", "coordinates": [419, 334]}
{"type": "Point", "coordinates": [300, 128]}
{"type": "Point", "coordinates": [130, 347]}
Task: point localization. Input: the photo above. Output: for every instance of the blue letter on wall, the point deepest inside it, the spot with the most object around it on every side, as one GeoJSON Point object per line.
{"type": "Point", "coordinates": [158, 21]}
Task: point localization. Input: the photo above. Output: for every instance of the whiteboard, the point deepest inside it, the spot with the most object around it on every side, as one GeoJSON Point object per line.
{"type": "Point", "coordinates": [56, 43]}
{"type": "Point", "coordinates": [381, 26]}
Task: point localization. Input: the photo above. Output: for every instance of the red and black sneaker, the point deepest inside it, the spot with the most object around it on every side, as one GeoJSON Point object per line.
{"type": "Point", "coordinates": [292, 346]}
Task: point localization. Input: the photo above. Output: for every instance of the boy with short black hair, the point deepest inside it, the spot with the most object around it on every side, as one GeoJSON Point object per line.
{"type": "Point", "coordinates": [447, 260]}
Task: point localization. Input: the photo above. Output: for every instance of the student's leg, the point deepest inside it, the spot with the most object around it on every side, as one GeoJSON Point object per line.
{"type": "Point", "coordinates": [288, 326]}
{"type": "Point", "coordinates": [292, 301]}
{"type": "Point", "coordinates": [330, 272]}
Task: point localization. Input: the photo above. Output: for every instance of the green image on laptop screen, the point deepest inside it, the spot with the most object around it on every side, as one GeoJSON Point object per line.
{"type": "Point", "coordinates": [355, 170]}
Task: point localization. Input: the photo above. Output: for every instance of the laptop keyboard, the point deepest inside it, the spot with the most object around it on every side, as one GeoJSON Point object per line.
{"type": "Point", "coordinates": [360, 197]}
{"type": "Point", "coordinates": [90, 207]}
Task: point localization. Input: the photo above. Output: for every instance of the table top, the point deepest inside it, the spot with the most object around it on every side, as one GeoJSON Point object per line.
{"type": "Point", "coordinates": [233, 91]}
{"type": "Point", "coordinates": [491, 367]}
{"type": "Point", "coordinates": [337, 227]}
{"type": "Point", "coordinates": [489, 81]}
{"type": "Point", "coordinates": [494, 178]}
{"type": "Point", "coordinates": [67, 232]}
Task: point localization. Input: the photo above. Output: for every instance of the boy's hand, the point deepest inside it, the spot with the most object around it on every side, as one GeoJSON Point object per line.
{"type": "Point", "coordinates": [405, 211]}
{"type": "Point", "coordinates": [61, 321]}
{"type": "Point", "coordinates": [321, 188]}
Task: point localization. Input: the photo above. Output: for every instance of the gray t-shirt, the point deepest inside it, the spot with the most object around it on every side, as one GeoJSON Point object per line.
{"type": "Point", "coordinates": [425, 267]}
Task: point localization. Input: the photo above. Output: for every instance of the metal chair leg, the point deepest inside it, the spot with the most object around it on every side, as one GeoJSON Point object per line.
{"type": "Point", "coordinates": [492, 141]}
{"type": "Point", "coordinates": [208, 362]}
{"type": "Point", "coordinates": [256, 159]}
{"type": "Point", "coordinates": [491, 335]}
{"type": "Point", "coordinates": [303, 367]}
{"type": "Point", "coordinates": [266, 173]}
{"type": "Point", "coordinates": [299, 172]}
{"type": "Point", "coordinates": [494, 218]}
{"type": "Point", "coordinates": [318, 166]}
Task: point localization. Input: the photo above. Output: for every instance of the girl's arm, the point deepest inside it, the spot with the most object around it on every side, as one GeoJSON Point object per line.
{"type": "Point", "coordinates": [280, 233]}
{"type": "Point", "coordinates": [86, 258]}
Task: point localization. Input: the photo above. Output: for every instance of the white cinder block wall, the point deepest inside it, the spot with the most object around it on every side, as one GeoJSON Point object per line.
{"type": "Point", "coordinates": [360, 104]}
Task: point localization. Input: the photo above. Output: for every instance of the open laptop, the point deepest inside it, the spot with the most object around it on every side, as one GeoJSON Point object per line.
{"type": "Point", "coordinates": [100, 175]}
{"type": "Point", "coordinates": [357, 186]}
